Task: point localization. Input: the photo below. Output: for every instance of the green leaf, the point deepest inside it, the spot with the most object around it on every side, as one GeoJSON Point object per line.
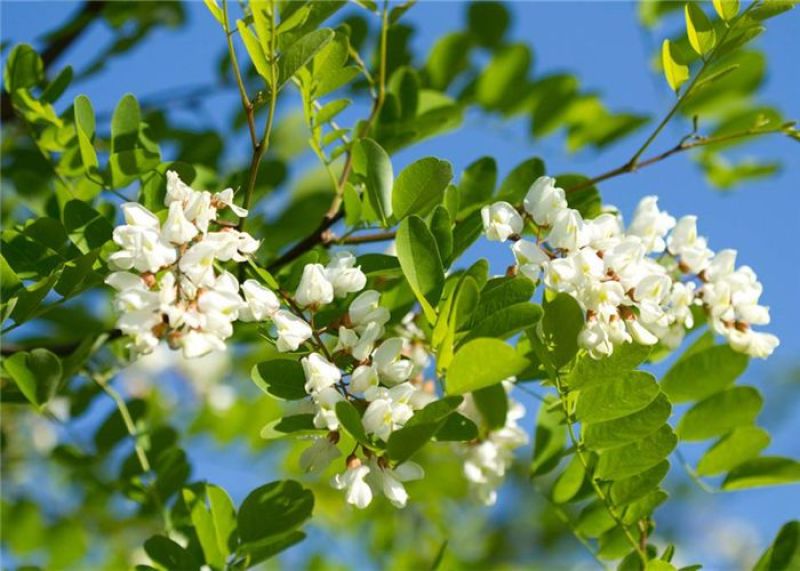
{"type": "Point", "coordinates": [676, 74]}
{"type": "Point", "coordinates": [57, 86]}
{"type": "Point", "coordinates": [644, 507]}
{"type": "Point", "coordinates": [623, 430]}
{"type": "Point", "coordinates": [516, 185]}
{"type": "Point", "coordinates": [441, 229]}
{"type": "Point", "coordinates": [295, 425]}
{"type": "Point", "coordinates": [590, 372]}
{"type": "Point", "coordinates": [331, 110]}
{"type": "Point", "coordinates": [215, 10]}
{"type": "Point", "coordinates": [481, 363]}
{"type": "Point", "coordinates": [634, 458]}
{"type": "Point", "coordinates": [255, 51]}
{"type": "Point", "coordinates": [615, 399]}
{"type": "Point", "coordinates": [420, 428]}
{"type": "Point", "coordinates": [420, 186]}
{"type": "Point", "coordinates": [379, 178]}
{"type": "Point", "coordinates": [699, 29]}
{"type": "Point", "coordinates": [24, 68]}
{"type": "Point", "coordinates": [733, 449]}
{"type": "Point", "coordinates": [477, 184]}
{"type": "Point", "coordinates": [422, 266]}
{"type": "Point", "coordinates": [351, 421]}
{"type": "Point", "coordinates": [627, 490]}
{"type": "Point", "coordinates": [500, 293]}
{"type": "Point", "coordinates": [569, 483]}
{"type": "Point", "coordinates": [594, 520]}
{"type": "Point", "coordinates": [168, 553]}
{"type": "Point", "coordinates": [492, 403]}
{"type": "Point", "coordinates": [719, 413]}
{"type": "Point", "coordinates": [281, 378]}
{"type": "Point", "coordinates": [37, 374]}
{"type": "Point", "coordinates": [125, 124]}
{"type": "Point", "coordinates": [507, 321]}
{"type": "Point", "coordinates": [127, 166]}
{"type": "Point", "coordinates": [448, 58]}
{"type": "Point", "coordinates": [763, 471]}
{"type": "Point", "coordinates": [457, 428]}
{"type": "Point", "coordinates": [549, 439]}
{"type": "Point", "coordinates": [300, 53]}
{"type": "Point", "coordinates": [498, 85]}
{"type": "Point", "coordinates": [726, 9]}
{"type": "Point", "coordinates": [487, 23]}
{"type": "Point", "coordinates": [770, 9]}
{"type": "Point", "coordinates": [223, 514]}
{"type": "Point", "coordinates": [703, 373]}
{"type": "Point", "coordinates": [203, 523]}
{"type": "Point", "coordinates": [273, 510]}
{"type": "Point", "coordinates": [85, 127]}
{"type": "Point", "coordinates": [561, 324]}
{"type": "Point", "coordinates": [784, 553]}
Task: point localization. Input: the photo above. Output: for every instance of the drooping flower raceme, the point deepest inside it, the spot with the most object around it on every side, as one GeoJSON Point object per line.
{"type": "Point", "coordinates": [635, 284]}
{"type": "Point", "coordinates": [487, 459]}
{"type": "Point", "coordinates": [167, 284]}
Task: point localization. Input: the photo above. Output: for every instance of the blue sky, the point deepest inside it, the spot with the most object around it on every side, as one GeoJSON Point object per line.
{"type": "Point", "coordinates": [605, 46]}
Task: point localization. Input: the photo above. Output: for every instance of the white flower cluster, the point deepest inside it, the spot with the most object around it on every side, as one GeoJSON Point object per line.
{"type": "Point", "coordinates": [486, 461]}
{"type": "Point", "coordinates": [166, 282]}
{"type": "Point", "coordinates": [379, 380]}
{"type": "Point", "coordinates": [636, 284]}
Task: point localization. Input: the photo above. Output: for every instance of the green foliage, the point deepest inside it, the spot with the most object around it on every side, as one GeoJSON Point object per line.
{"type": "Point", "coordinates": [355, 93]}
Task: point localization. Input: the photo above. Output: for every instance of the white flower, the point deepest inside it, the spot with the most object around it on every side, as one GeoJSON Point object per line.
{"type": "Point", "coordinates": [177, 190]}
{"type": "Point", "coordinates": [568, 232]}
{"type": "Point", "coordinates": [359, 346]}
{"type": "Point", "coordinates": [358, 492]}
{"type": "Point", "coordinates": [366, 309]}
{"type": "Point", "coordinates": [231, 244]}
{"type": "Point", "coordinates": [142, 249]}
{"type": "Point", "coordinates": [753, 343]}
{"type": "Point", "coordinates": [121, 281]}
{"type": "Point", "coordinates": [390, 480]}
{"type": "Point", "coordinates": [197, 263]}
{"type": "Point", "coordinates": [561, 275]}
{"type": "Point", "coordinates": [722, 265]}
{"type": "Point", "coordinates": [198, 209]}
{"type": "Point", "coordinates": [604, 231]}
{"type": "Point", "coordinates": [530, 258]}
{"type": "Point", "coordinates": [651, 224]}
{"type": "Point", "coordinates": [199, 343]}
{"type": "Point", "coordinates": [177, 229]}
{"type": "Point", "coordinates": [363, 378]}
{"type": "Point", "coordinates": [544, 201]}
{"type": "Point", "coordinates": [603, 298]}
{"type": "Point", "coordinates": [640, 333]}
{"type": "Point", "coordinates": [137, 215]}
{"type": "Point", "coordinates": [226, 198]}
{"type": "Point", "coordinates": [345, 277]}
{"type": "Point", "coordinates": [388, 411]}
{"type": "Point", "coordinates": [325, 401]}
{"type": "Point", "coordinates": [392, 368]}
{"type": "Point", "coordinates": [595, 338]}
{"type": "Point", "coordinates": [314, 288]}
{"type": "Point", "coordinates": [320, 373]}
{"type": "Point", "coordinates": [500, 221]}
{"type": "Point", "coordinates": [262, 303]}
{"type": "Point", "coordinates": [319, 455]}
{"type": "Point", "coordinates": [292, 331]}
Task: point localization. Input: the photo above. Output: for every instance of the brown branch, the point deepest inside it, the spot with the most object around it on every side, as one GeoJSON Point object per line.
{"type": "Point", "coordinates": [57, 46]}
{"type": "Point", "coordinates": [684, 145]}
{"type": "Point", "coordinates": [368, 238]}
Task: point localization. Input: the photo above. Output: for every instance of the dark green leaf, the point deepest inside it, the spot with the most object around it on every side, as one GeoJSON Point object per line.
{"type": "Point", "coordinates": [617, 398]}
{"type": "Point", "coordinates": [733, 449]}
{"type": "Point", "coordinates": [784, 553]}
{"type": "Point", "coordinates": [634, 458]}
{"type": "Point", "coordinates": [421, 263]}
{"type": "Point", "coordinates": [763, 471]}
{"type": "Point", "coordinates": [492, 402]}
{"type": "Point", "coordinates": [281, 378]}
{"type": "Point", "coordinates": [273, 510]}
{"type": "Point", "coordinates": [629, 428]}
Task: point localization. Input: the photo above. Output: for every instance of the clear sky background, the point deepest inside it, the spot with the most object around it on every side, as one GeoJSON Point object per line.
{"type": "Point", "coordinates": [603, 43]}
